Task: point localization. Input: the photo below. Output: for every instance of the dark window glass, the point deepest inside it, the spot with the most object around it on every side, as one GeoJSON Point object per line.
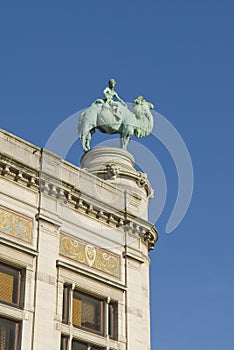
{"type": "Point", "coordinates": [11, 285]}
{"type": "Point", "coordinates": [113, 320]}
{"type": "Point", "coordinates": [9, 335]}
{"type": "Point", "coordinates": [64, 342]}
{"type": "Point", "coordinates": [66, 303]}
{"type": "Point", "coordinates": [76, 345]}
{"type": "Point", "coordinates": [87, 312]}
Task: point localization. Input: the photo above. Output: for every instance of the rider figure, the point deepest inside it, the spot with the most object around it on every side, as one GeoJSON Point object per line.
{"type": "Point", "coordinates": [110, 93]}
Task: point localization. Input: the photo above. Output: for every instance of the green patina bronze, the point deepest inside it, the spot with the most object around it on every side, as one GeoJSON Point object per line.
{"type": "Point", "coordinates": [114, 117]}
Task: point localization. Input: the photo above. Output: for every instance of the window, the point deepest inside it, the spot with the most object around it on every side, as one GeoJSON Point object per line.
{"type": "Point", "coordinates": [9, 334]}
{"type": "Point", "coordinates": [88, 313]}
{"type": "Point", "coordinates": [11, 285]}
{"type": "Point", "coordinates": [77, 345]}
{"type": "Point", "coordinates": [11, 293]}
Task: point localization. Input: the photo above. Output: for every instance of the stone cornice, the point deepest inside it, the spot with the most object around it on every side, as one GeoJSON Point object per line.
{"type": "Point", "coordinates": [77, 200]}
{"type": "Point", "coordinates": [26, 249]}
{"type": "Point", "coordinates": [18, 172]}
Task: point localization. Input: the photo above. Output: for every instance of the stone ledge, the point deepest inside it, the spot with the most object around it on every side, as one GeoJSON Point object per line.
{"type": "Point", "coordinates": [84, 204]}
{"type": "Point", "coordinates": [89, 274]}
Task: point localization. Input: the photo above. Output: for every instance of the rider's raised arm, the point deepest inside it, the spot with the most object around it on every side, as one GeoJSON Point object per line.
{"type": "Point", "coordinates": [118, 98]}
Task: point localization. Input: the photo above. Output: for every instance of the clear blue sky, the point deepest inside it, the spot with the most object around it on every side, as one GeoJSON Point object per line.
{"type": "Point", "coordinates": [56, 57]}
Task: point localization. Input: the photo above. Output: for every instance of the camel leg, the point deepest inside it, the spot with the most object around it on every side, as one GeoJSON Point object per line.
{"type": "Point", "coordinates": [127, 132]}
{"type": "Point", "coordinates": [85, 139]}
{"type": "Point", "coordinates": [124, 141]}
{"type": "Point", "coordinates": [88, 139]}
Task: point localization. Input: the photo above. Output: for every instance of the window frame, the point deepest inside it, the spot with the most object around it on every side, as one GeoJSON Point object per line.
{"type": "Point", "coordinates": [113, 320]}
{"type": "Point", "coordinates": [18, 284]}
{"type": "Point", "coordinates": [64, 345]}
{"type": "Point", "coordinates": [109, 321]}
{"type": "Point", "coordinates": [17, 332]}
{"type": "Point", "coordinates": [66, 303]}
{"type": "Point", "coordinates": [96, 299]}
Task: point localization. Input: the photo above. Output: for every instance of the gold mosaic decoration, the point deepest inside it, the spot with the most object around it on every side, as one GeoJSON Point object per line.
{"type": "Point", "coordinates": [89, 255]}
{"type": "Point", "coordinates": [15, 225]}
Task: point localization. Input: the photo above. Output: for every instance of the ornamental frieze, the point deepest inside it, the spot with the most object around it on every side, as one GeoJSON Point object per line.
{"type": "Point", "coordinates": [90, 255]}
{"type": "Point", "coordinates": [15, 225]}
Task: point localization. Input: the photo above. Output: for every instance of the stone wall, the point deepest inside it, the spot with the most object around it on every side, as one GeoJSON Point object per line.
{"type": "Point", "coordinates": [63, 225]}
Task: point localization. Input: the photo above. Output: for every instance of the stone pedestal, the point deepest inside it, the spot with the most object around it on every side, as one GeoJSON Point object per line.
{"type": "Point", "coordinates": [97, 158]}
{"type": "Point", "coordinates": [117, 166]}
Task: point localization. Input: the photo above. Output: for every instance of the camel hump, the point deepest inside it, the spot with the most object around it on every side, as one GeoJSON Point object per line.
{"type": "Point", "coordinates": [109, 115]}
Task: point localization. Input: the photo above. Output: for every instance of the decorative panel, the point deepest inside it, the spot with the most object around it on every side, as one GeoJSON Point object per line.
{"type": "Point", "coordinates": [90, 255]}
{"type": "Point", "coordinates": [15, 225]}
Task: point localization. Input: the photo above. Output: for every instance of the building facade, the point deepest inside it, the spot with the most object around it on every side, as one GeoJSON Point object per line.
{"type": "Point", "coordinates": [74, 243]}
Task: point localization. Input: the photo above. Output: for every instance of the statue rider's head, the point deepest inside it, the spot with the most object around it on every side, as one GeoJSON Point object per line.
{"type": "Point", "coordinates": [112, 83]}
